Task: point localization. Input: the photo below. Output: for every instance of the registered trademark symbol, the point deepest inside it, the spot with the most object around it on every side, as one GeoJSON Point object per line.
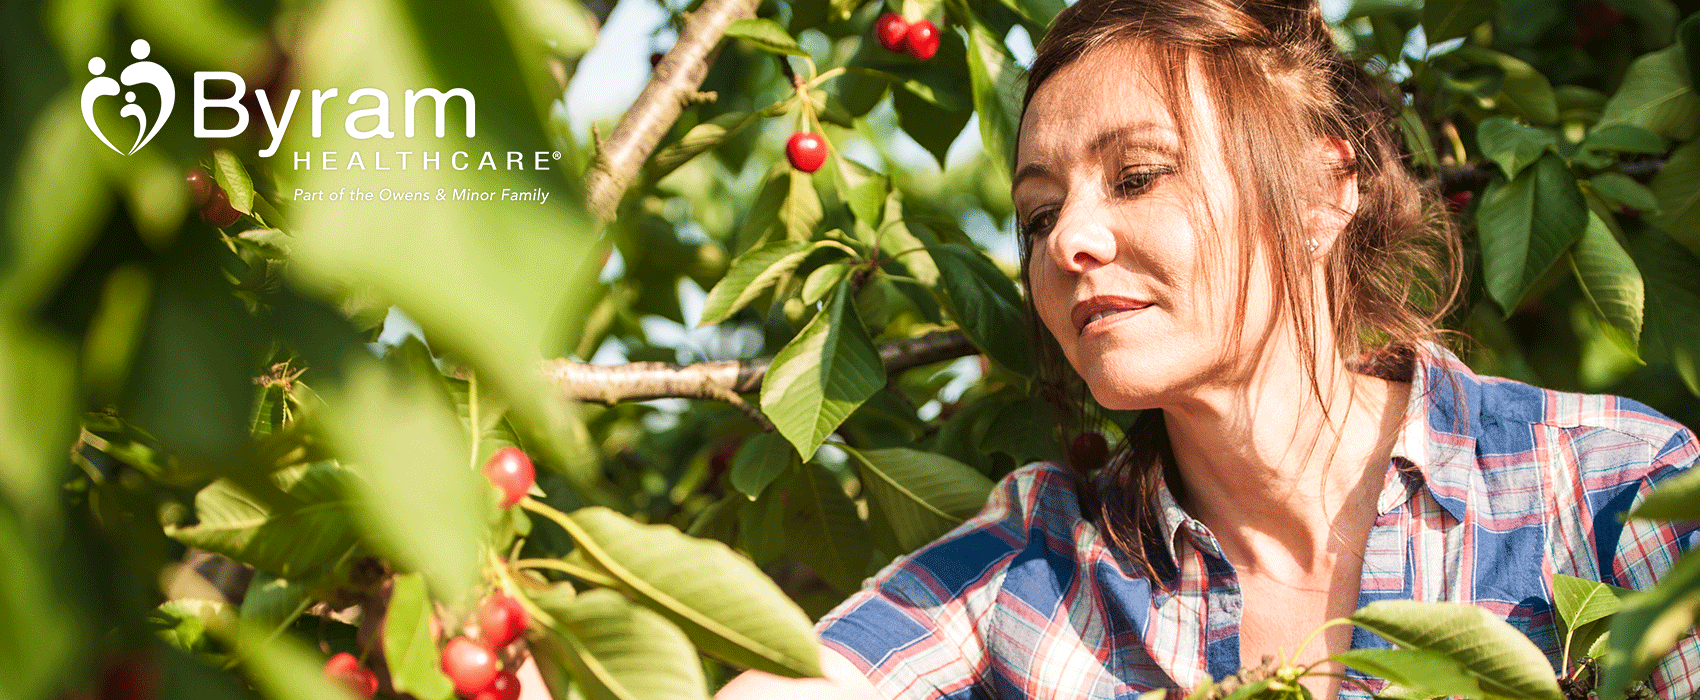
{"type": "Point", "coordinates": [556, 155]}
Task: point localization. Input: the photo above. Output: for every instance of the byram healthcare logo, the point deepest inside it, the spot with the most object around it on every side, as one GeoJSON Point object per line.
{"type": "Point", "coordinates": [147, 72]}
{"type": "Point", "coordinates": [142, 71]}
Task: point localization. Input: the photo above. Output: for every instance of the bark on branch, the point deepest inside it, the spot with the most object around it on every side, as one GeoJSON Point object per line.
{"type": "Point", "coordinates": [723, 380]}
{"type": "Point", "coordinates": [676, 78]}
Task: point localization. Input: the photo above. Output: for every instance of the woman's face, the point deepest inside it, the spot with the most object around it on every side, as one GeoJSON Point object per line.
{"type": "Point", "coordinates": [1133, 234]}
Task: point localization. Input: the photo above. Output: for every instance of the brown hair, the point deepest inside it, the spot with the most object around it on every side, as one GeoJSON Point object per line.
{"type": "Point", "coordinates": [1277, 82]}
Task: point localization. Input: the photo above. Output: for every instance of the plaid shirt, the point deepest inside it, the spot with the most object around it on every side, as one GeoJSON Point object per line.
{"type": "Point", "coordinates": [1480, 505]}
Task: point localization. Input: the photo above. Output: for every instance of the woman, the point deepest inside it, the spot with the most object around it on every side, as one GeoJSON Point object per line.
{"type": "Point", "coordinates": [1219, 229]}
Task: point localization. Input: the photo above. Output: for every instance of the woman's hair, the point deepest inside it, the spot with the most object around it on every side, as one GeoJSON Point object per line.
{"type": "Point", "coordinates": [1278, 84]}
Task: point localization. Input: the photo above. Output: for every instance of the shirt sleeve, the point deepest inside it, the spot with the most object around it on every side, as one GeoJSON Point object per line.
{"type": "Point", "coordinates": [1646, 552]}
{"type": "Point", "coordinates": [913, 629]}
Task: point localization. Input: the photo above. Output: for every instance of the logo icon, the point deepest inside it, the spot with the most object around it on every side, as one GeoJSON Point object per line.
{"type": "Point", "coordinates": [142, 71]}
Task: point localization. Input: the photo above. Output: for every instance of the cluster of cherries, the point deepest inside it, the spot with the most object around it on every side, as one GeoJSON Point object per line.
{"type": "Point", "coordinates": [210, 199]}
{"type": "Point", "coordinates": [919, 39]}
{"type": "Point", "coordinates": [807, 150]}
{"type": "Point", "coordinates": [471, 662]}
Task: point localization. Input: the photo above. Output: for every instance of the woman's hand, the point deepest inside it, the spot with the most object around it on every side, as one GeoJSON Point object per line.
{"type": "Point", "coordinates": [842, 682]}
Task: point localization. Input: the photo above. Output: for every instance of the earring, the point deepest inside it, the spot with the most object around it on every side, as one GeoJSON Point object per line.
{"type": "Point", "coordinates": [1311, 244]}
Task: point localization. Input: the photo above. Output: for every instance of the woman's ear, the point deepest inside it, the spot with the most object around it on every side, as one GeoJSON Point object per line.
{"type": "Point", "coordinates": [1336, 200]}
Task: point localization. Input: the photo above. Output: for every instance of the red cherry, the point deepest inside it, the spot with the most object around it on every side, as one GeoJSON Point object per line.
{"type": "Point", "coordinates": [890, 31]}
{"type": "Point", "coordinates": [346, 669]}
{"type": "Point", "coordinates": [1459, 201]}
{"type": "Point", "coordinates": [1088, 451]}
{"type": "Point", "coordinates": [501, 619]}
{"type": "Point", "coordinates": [217, 211]}
{"type": "Point", "coordinates": [511, 473]}
{"type": "Point", "coordinates": [806, 150]}
{"type": "Point", "coordinates": [923, 40]}
{"type": "Point", "coordinates": [505, 687]}
{"type": "Point", "coordinates": [200, 186]}
{"type": "Point", "coordinates": [1594, 19]}
{"type": "Point", "coordinates": [469, 665]}
{"type": "Point", "coordinates": [132, 678]}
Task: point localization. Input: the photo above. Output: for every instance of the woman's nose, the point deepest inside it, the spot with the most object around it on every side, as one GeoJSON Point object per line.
{"type": "Point", "coordinates": [1081, 239]}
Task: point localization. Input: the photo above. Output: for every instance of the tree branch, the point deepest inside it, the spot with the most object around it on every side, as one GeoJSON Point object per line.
{"type": "Point", "coordinates": [676, 78]}
{"type": "Point", "coordinates": [723, 380]}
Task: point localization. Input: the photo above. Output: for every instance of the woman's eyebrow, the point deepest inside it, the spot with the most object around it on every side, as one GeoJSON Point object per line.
{"type": "Point", "coordinates": [1147, 134]}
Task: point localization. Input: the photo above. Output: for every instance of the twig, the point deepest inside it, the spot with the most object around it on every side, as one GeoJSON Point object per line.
{"type": "Point", "coordinates": [676, 79]}
{"type": "Point", "coordinates": [723, 380]}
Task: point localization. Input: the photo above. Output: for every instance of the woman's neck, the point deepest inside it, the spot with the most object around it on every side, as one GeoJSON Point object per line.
{"type": "Point", "coordinates": [1287, 480]}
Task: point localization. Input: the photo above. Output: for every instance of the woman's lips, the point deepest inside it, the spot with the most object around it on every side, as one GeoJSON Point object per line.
{"type": "Point", "coordinates": [1101, 308]}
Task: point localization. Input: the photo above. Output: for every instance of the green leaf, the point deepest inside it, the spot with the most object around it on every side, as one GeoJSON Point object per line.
{"type": "Point", "coordinates": [822, 529]}
{"type": "Point", "coordinates": [932, 126]}
{"type": "Point", "coordinates": [750, 275]}
{"type": "Point", "coordinates": [763, 214]}
{"type": "Point", "coordinates": [1677, 499]}
{"type": "Point", "coordinates": [1425, 672]}
{"type": "Point", "coordinates": [191, 625]}
{"type": "Point", "coordinates": [823, 280]}
{"type": "Point", "coordinates": [861, 188]}
{"type": "Point", "coordinates": [1580, 601]}
{"type": "Point", "coordinates": [1610, 281]}
{"type": "Point", "coordinates": [767, 35]}
{"type": "Point", "coordinates": [1022, 430]}
{"type": "Point", "coordinates": [761, 527]}
{"type": "Point", "coordinates": [1512, 145]}
{"type": "Point", "coordinates": [1623, 138]}
{"type": "Point", "coordinates": [727, 606]}
{"type": "Point", "coordinates": [1655, 97]}
{"type": "Point", "coordinates": [920, 494]}
{"type": "Point", "coordinates": [1039, 12]}
{"type": "Point", "coordinates": [822, 375]}
{"type": "Point", "coordinates": [1526, 225]}
{"type": "Point", "coordinates": [1450, 19]}
{"type": "Point", "coordinates": [1524, 92]}
{"type": "Point", "coordinates": [1671, 332]}
{"type": "Point", "coordinates": [1490, 650]}
{"type": "Point", "coordinates": [1649, 626]}
{"type": "Point", "coordinates": [1677, 189]}
{"type": "Point", "coordinates": [284, 669]}
{"type": "Point", "coordinates": [270, 601]}
{"type": "Point", "coordinates": [801, 211]}
{"type": "Point", "coordinates": [311, 531]}
{"type": "Point", "coordinates": [619, 651]}
{"type": "Point", "coordinates": [419, 505]}
{"type": "Point", "coordinates": [993, 76]}
{"type": "Point", "coordinates": [700, 138]}
{"type": "Point", "coordinates": [1688, 38]}
{"type": "Point", "coordinates": [1618, 188]}
{"type": "Point", "coordinates": [986, 304]}
{"type": "Point", "coordinates": [231, 176]}
{"type": "Point", "coordinates": [759, 461]}
{"type": "Point", "coordinates": [411, 654]}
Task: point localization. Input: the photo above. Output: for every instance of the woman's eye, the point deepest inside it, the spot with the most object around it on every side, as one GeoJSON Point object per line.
{"type": "Point", "coordinates": [1137, 179]}
{"type": "Point", "coordinates": [1039, 223]}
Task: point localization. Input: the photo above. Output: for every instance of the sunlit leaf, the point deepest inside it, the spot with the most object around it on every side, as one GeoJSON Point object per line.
{"type": "Point", "coordinates": [620, 651]}
{"type": "Point", "coordinates": [1490, 650]}
{"type": "Point", "coordinates": [823, 280]}
{"type": "Point", "coordinates": [822, 375]}
{"type": "Point", "coordinates": [1425, 672]}
{"type": "Point", "coordinates": [801, 212]}
{"type": "Point", "coordinates": [1610, 281]}
{"type": "Point", "coordinates": [993, 77]}
{"type": "Point", "coordinates": [1580, 601]}
{"type": "Point", "coordinates": [1524, 92]}
{"type": "Point", "coordinates": [1655, 96]}
{"type": "Point", "coordinates": [920, 494]}
{"type": "Point", "coordinates": [1676, 499]}
{"type": "Point", "coordinates": [727, 606]}
{"type": "Point", "coordinates": [230, 175]}
{"type": "Point", "coordinates": [767, 35]}
{"type": "Point", "coordinates": [311, 531]}
{"type": "Point", "coordinates": [409, 650]}
{"type": "Point", "coordinates": [750, 275]}
{"type": "Point", "coordinates": [283, 668]}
